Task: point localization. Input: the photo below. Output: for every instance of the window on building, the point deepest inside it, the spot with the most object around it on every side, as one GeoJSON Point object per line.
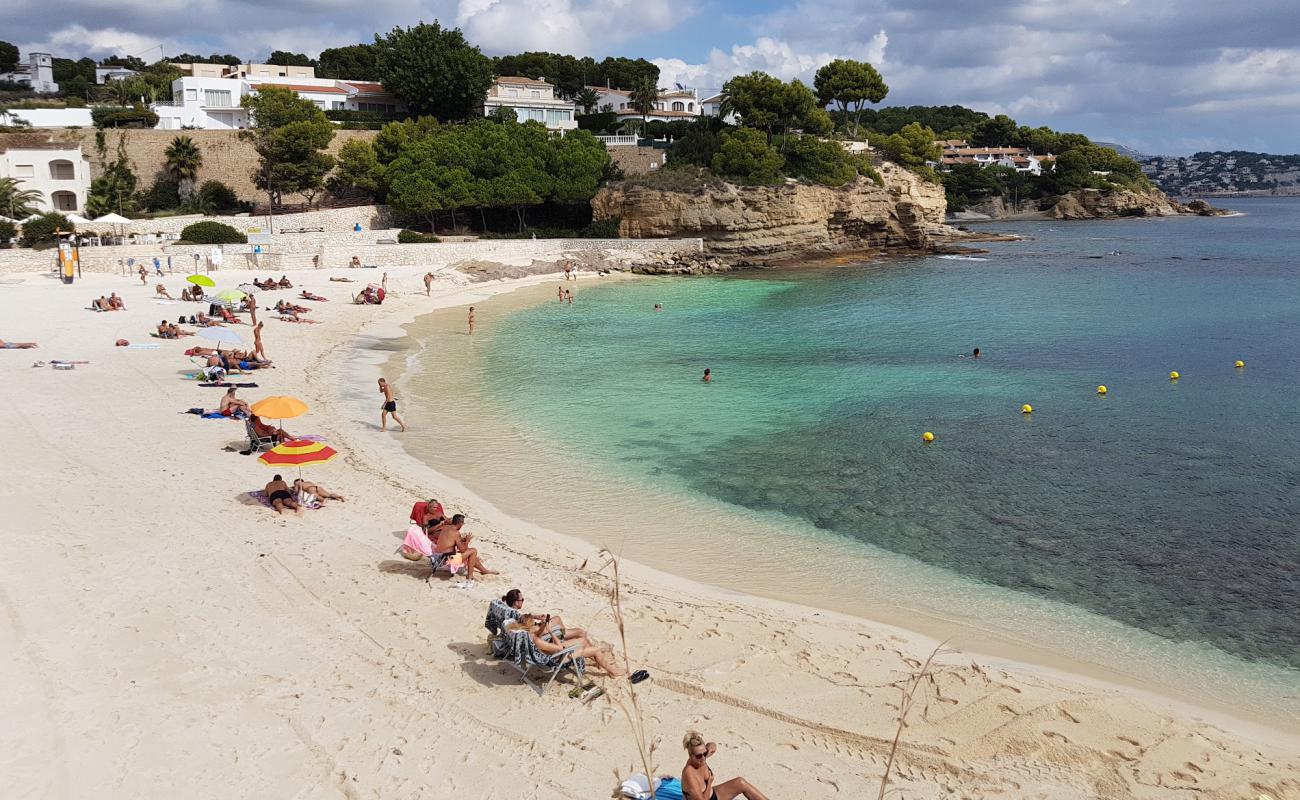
{"type": "Point", "coordinates": [690, 106]}
{"type": "Point", "coordinates": [535, 94]}
{"type": "Point", "coordinates": [512, 92]}
{"type": "Point", "coordinates": [679, 106]}
{"type": "Point", "coordinates": [62, 170]}
{"type": "Point", "coordinates": [556, 116]}
{"type": "Point", "coordinates": [538, 114]}
{"type": "Point", "coordinates": [216, 98]}
{"type": "Point", "coordinates": [192, 95]}
{"type": "Point", "coordinates": [24, 171]}
{"type": "Point", "coordinates": [337, 105]}
{"type": "Point", "coordinates": [64, 201]}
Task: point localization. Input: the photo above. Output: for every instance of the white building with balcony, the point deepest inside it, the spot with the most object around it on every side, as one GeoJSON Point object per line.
{"type": "Point", "coordinates": [61, 174]}
{"type": "Point", "coordinates": [678, 104]}
{"type": "Point", "coordinates": [216, 103]}
{"type": "Point", "coordinates": [530, 100]}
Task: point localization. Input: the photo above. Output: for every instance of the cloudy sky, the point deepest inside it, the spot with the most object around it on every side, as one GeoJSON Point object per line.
{"type": "Point", "coordinates": [1164, 76]}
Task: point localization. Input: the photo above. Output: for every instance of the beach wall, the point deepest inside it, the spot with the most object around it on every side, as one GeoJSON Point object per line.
{"type": "Point", "coordinates": [297, 252]}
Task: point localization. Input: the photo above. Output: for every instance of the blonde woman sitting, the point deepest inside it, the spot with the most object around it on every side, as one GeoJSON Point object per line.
{"type": "Point", "coordinates": [583, 648]}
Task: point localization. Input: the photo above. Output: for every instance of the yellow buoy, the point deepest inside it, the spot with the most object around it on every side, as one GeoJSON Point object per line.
{"type": "Point", "coordinates": [1101, 390]}
{"type": "Point", "coordinates": [1026, 409]}
{"type": "Point", "coordinates": [927, 437]}
{"type": "Point", "coordinates": [1239, 364]}
{"type": "Point", "coordinates": [1173, 376]}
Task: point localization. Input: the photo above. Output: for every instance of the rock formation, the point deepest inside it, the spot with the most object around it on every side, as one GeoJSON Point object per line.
{"type": "Point", "coordinates": [1111, 203]}
{"type": "Point", "coordinates": [766, 224]}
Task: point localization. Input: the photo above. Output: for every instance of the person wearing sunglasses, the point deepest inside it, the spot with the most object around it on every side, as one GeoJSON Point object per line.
{"type": "Point", "coordinates": [697, 775]}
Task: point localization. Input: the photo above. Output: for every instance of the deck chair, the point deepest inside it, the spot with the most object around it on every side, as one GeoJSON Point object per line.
{"type": "Point", "coordinates": [416, 547]}
{"type": "Point", "coordinates": [518, 650]}
{"type": "Point", "coordinates": [258, 443]}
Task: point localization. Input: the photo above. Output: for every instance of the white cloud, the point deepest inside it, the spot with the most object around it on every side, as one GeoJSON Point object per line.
{"type": "Point", "coordinates": [565, 26]}
{"type": "Point", "coordinates": [773, 56]}
{"type": "Point", "coordinates": [77, 39]}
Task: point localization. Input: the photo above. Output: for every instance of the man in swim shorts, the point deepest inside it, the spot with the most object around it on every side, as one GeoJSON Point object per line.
{"type": "Point", "coordinates": [389, 407]}
{"type": "Point", "coordinates": [280, 496]}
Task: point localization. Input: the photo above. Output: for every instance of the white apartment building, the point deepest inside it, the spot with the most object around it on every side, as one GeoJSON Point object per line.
{"type": "Point", "coordinates": [956, 151]}
{"type": "Point", "coordinates": [210, 103]}
{"type": "Point", "coordinates": [61, 174]}
{"type": "Point", "coordinates": [38, 72]}
{"type": "Point", "coordinates": [105, 74]}
{"type": "Point", "coordinates": [531, 99]}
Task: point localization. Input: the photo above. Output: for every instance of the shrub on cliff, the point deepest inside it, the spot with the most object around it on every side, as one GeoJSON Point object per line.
{"type": "Point", "coordinates": [824, 162]}
{"type": "Point", "coordinates": [7, 231]}
{"type": "Point", "coordinates": [118, 117]}
{"type": "Point", "coordinates": [40, 231]}
{"type": "Point", "coordinates": [217, 196]}
{"type": "Point", "coordinates": [209, 232]}
{"type": "Point", "coordinates": [407, 236]}
{"type": "Point", "coordinates": [746, 156]}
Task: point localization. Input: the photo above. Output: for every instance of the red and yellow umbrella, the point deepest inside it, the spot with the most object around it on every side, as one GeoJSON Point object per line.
{"type": "Point", "coordinates": [298, 453]}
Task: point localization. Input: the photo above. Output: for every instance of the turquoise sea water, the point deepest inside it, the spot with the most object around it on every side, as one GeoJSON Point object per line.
{"type": "Point", "coordinates": [1171, 507]}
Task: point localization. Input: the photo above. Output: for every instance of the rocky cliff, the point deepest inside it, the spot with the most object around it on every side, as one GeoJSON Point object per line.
{"type": "Point", "coordinates": [764, 224]}
{"type": "Point", "coordinates": [1110, 203]}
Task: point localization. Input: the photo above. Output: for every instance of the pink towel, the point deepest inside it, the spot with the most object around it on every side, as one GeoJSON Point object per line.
{"type": "Point", "coordinates": [417, 540]}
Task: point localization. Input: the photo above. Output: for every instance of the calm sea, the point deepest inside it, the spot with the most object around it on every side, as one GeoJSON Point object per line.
{"type": "Point", "coordinates": [1172, 507]}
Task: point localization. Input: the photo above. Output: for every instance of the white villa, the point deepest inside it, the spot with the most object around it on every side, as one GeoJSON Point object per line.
{"type": "Point", "coordinates": [209, 96]}
{"type": "Point", "coordinates": [956, 151]}
{"type": "Point", "coordinates": [38, 72]}
{"type": "Point", "coordinates": [672, 105]}
{"type": "Point", "coordinates": [60, 173]}
{"type": "Point", "coordinates": [105, 74]}
{"type": "Point", "coordinates": [531, 99]}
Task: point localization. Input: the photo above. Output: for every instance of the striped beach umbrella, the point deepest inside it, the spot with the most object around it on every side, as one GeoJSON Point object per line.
{"type": "Point", "coordinates": [298, 453]}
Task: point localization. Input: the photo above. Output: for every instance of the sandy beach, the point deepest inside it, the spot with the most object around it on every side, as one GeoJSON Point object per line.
{"type": "Point", "coordinates": [169, 637]}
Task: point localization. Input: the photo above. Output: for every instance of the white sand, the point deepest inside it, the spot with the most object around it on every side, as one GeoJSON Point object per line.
{"type": "Point", "coordinates": [163, 638]}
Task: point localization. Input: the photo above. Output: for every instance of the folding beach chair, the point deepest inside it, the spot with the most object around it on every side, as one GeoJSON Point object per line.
{"type": "Point", "coordinates": [517, 649]}
{"type": "Point", "coordinates": [257, 443]}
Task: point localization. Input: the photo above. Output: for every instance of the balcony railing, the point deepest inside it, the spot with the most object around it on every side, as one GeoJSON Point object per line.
{"type": "Point", "coordinates": [167, 103]}
{"type": "Point", "coordinates": [617, 141]}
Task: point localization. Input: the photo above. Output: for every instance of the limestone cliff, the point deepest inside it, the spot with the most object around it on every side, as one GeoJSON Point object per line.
{"type": "Point", "coordinates": [1109, 203]}
{"type": "Point", "coordinates": [763, 224]}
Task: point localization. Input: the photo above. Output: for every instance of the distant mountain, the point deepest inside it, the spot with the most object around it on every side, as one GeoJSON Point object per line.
{"type": "Point", "coordinates": [1124, 151]}
{"type": "Point", "coordinates": [1219, 173]}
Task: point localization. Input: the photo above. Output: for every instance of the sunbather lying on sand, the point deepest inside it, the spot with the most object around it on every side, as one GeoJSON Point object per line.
{"type": "Point", "coordinates": [602, 655]}
{"type": "Point", "coordinates": [16, 345]}
{"type": "Point", "coordinates": [161, 291]}
{"type": "Point", "coordinates": [228, 316]}
{"type": "Point", "coordinates": [285, 307]}
{"type": "Point", "coordinates": [169, 331]}
{"type": "Point", "coordinates": [204, 321]}
{"type": "Point", "coordinates": [280, 495]}
{"type": "Point", "coordinates": [316, 490]}
{"type": "Point", "coordinates": [306, 295]}
{"type": "Point", "coordinates": [284, 283]}
{"type": "Point", "coordinates": [101, 304]}
{"type": "Point", "coordinates": [342, 280]}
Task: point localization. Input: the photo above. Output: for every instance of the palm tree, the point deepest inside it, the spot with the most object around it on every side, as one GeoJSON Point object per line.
{"type": "Point", "coordinates": [15, 202]}
{"type": "Point", "coordinates": [183, 162]}
{"type": "Point", "coordinates": [588, 98]}
{"type": "Point", "coordinates": [644, 96]}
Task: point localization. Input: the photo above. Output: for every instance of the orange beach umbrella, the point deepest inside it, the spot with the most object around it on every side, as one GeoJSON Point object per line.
{"type": "Point", "coordinates": [279, 407]}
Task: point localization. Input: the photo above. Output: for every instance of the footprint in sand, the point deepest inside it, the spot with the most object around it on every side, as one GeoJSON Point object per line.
{"type": "Point", "coordinates": [1009, 710]}
{"type": "Point", "coordinates": [1067, 715]}
{"type": "Point", "coordinates": [1133, 742]}
{"type": "Point", "coordinates": [1055, 735]}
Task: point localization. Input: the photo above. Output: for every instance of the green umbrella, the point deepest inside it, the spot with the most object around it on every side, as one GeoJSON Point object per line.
{"type": "Point", "coordinates": [230, 295]}
{"type": "Point", "coordinates": [201, 280]}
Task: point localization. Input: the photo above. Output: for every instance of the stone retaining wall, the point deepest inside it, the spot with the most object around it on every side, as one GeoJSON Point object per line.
{"type": "Point", "coordinates": [282, 257]}
{"type": "Point", "coordinates": [375, 223]}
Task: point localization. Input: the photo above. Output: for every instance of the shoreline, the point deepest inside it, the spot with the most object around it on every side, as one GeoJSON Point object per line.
{"type": "Point", "coordinates": [997, 643]}
{"type": "Point", "coordinates": [277, 655]}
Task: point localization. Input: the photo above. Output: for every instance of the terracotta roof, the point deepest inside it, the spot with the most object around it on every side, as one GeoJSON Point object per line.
{"type": "Point", "coordinates": [607, 90]}
{"type": "Point", "coordinates": [298, 87]}
{"type": "Point", "coordinates": [516, 79]}
{"type": "Point", "coordinates": [366, 87]}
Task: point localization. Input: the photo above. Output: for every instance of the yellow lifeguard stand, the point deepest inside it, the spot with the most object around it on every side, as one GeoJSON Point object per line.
{"type": "Point", "coordinates": [69, 256]}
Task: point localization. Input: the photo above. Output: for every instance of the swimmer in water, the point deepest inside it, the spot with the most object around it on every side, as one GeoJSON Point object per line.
{"type": "Point", "coordinates": [976, 353]}
{"type": "Point", "coordinates": [708, 376]}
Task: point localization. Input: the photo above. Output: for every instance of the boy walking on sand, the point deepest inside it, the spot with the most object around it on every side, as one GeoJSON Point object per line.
{"type": "Point", "coordinates": [389, 407]}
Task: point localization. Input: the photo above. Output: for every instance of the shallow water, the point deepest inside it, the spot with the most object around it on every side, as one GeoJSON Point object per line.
{"type": "Point", "coordinates": [1170, 507]}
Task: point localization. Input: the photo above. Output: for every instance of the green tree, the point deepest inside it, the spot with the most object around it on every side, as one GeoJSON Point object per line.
{"type": "Point", "coordinates": [819, 161]}
{"type": "Point", "coordinates": [215, 58]}
{"type": "Point", "coordinates": [746, 155]}
{"type": "Point", "coordinates": [127, 62]}
{"type": "Point", "coordinates": [357, 62]}
{"type": "Point", "coordinates": [503, 114]}
{"type": "Point", "coordinates": [912, 146]}
{"type": "Point", "coordinates": [359, 174]}
{"type": "Point", "coordinates": [771, 105]}
{"type": "Point", "coordinates": [284, 58]}
{"type": "Point", "coordinates": [1073, 171]}
{"type": "Point", "coordinates": [696, 148]}
{"type": "Point", "coordinates": [850, 85]}
{"type": "Point", "coordinates": [212, 232]}
{"type": "Point", "coordinates": [41, 231]}
{"type": "Point", "coordinates": [643, 98]}
{"type": "Point", "coordinates": [434, 70]}
{"type": "Point", "coordinates": [575, 163]}
{"type": "Point", "coordinates": [1001, 131]}
{"type": "Point", "coordinates": [183, 160]}
{"type": "Point", "coordinates": [588, 99]}
{"type": "Point", "coordinates": [114, 190]}
{"type": "Point", "coordinates": [162, 195]}
{"type": "Point", "coordinates": [8, 57]}
{"type": "Point", "coordinates": [16, 202]}
{"type": "Point", "coordinates": [625, 73]}
{"type": "Point", "coordinates": [290, 135]}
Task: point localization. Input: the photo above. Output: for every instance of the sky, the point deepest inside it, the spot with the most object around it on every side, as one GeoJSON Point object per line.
{"type": "Point", "coordinates": [1162, 76]}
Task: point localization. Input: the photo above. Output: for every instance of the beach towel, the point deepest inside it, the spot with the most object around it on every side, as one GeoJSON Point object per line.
{"type": "Point", "coordinates": [417, 542]}
{"type": "Point", "coordinates": [262, 499]}
{"type": "Point", "coordinates": [637, 787]}
{"type": "Point", "coordinates": [142, 346]}
{"type": "Point", "coordinates": [225, 385]}
{"type": "Point", "coordinates": [498, 615]}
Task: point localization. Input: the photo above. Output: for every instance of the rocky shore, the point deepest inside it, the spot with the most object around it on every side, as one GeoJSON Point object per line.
{"type": "Point", "coordinates": [1089, 204]}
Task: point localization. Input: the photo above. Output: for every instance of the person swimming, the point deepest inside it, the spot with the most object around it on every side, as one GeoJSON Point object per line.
{"type": "Point", "coordinates": [708, 375]}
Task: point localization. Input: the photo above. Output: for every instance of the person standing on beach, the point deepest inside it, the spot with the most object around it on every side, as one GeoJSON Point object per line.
{"type": "Point", "coordinates": [144, 275]}
{"type": "Point", "coordinates": [257, 342]}
{"type": "Point", "coordinates": [428, 283]}
{"type": "Point", "coordinates": [697, 775]}
{"type": "Point", "coordinates": [471, 320]}
{"type": "Point", "coordinates": [389, 407]}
